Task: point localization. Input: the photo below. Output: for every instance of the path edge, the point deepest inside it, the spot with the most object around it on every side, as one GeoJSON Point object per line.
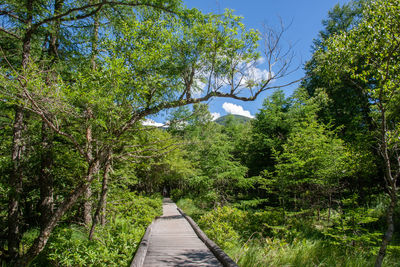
{"type": "Point", "coordinates": [141, 252]}
{"type": "Point", "coordinates": [215, 249]}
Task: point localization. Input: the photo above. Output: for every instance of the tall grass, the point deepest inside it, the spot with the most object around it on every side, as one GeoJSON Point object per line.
{"type": "Point", "coordinates": [303, 253]}
{"type": "Point", "coordinates": [302, 244]}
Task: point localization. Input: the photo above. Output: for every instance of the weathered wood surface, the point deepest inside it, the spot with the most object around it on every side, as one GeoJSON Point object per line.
{"type": "Point", "coordinates": [173, 242]}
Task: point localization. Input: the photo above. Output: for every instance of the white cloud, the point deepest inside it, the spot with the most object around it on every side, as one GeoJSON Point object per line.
{"type": "Point", "coordinates": [251, 73]}
{"type": "Point", "coordinates": [236, 110]}
{"type": "Point", "coordinates": [149, 122]}
{"type": "Point", "coordinates": [215, 115]}
{"type": "Point", "coordinates": [260, 60]}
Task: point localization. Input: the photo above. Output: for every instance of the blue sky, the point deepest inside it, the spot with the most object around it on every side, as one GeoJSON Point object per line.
{"type": "Point", "coordinates": [305, 17]}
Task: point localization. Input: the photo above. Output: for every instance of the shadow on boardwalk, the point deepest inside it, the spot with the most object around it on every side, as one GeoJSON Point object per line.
{"type": "Point", "coordinates": [198, 258]}
{"type": "Point", "coordinates": [173, 242]}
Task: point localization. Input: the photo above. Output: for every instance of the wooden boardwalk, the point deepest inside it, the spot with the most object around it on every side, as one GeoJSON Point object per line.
{"type": "Point", "coordinates": [173, 242]}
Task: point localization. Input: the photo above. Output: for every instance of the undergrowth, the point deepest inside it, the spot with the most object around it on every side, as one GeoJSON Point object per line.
{"type": "Point", "coordinates": [114, 244]}
{"type": "Point", "coordinates": [270, 237]}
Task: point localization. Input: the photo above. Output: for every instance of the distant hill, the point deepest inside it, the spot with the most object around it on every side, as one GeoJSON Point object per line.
{"type": "Point", "coordinates": [238, 118]}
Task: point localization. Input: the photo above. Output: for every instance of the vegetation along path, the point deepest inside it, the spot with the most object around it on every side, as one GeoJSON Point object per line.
{"type": "Point", "coordinates": [173, 242]}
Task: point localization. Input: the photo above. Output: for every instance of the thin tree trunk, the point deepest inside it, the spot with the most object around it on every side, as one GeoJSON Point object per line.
{"type": "Point", "coordinates": [329, 208]}
{"type": "Point", "coordinates": [101, 206]}
{"type": "Point", "coordinates": [104, 189]}
{"type": "Point", "coordinates": [87, 205]}
{"type": "Point", "coordinates": [18, 148]}
{"type": "Point", "coordinates": [390, 180]}
{"type": "Point", "coordinates": [53, 47]}
{"type": "Point", "coordinates": [46, 204]}
{"type": "Point", "coordinates": [389, 231]}
{"type": "Point", "coordinates": [15, 182]}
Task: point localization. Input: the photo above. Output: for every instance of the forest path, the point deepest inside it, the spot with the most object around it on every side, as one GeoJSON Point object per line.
{"type": "Point", "coordinates": [173, 242]}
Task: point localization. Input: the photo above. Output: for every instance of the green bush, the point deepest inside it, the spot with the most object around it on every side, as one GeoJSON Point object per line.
{"type": "Point", "coordinates": [221, 233]}
{"type": "Point", "coordinates": [223, 225]}
{"type": "Point", "coordinates": [114, 244]}
{"type": "Point", "coordinates": [176, 194]}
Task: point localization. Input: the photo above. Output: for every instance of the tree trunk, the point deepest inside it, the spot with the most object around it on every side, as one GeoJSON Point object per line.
{"type": "Point", "coordinates": [330, 207]}
{"type": "Point", "coordinates": [101, 206]}
{"type": "Point", "coordinates": [105, 190]}
{"type": "Point", "coordinates": [15, 182]}
{"type": "Point", "coordinates": [87, 204]}
{"type": "Point", "coordinates": [389, 231]}
{"type": "Point", "coordinates": [18, 147]}
{"type": "Point", "coordinates": [46, 204]}
{"type": "Point", "coordinates": [391, 181]}
{"type": "Point", "coordinates": [53, 45]}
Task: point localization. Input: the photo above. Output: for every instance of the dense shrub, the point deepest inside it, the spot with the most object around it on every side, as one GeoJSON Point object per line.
{"type": "Point", "coordinates": [114, 244]}
{"type": "Point", "coordinates": [223, 225]}
{"type": "Point", "coordinates": [176, 194]}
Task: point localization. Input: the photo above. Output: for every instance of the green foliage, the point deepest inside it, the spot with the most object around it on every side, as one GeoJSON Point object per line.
{"type": "Point", "coordinates": [368, 55]}
{"type": "Point", "coordinates": [211, 149]}
{"type": "Point", "coordinates": [269, 131]}
{"type": "Point", "coordinates": [348, 107]}
{"type": "Point", "coordinates": [223, 225]}
{"type": "Point", "coordinates": [339, 19]}
{"type": "Point", "coordinates": [276, 252]}
{"type": "Point", "coordinates": [290, 188]}
{"type": "Point", "coordinates": [289, 240]}
{"type": "Point", "coordinates": [176, 194]}
{"type": "Point", "coordinates": [114, 244]}
{"type": "Point", "coordinates": [312, 161]}
{"type": "Point", "coordinates": [353, 226]}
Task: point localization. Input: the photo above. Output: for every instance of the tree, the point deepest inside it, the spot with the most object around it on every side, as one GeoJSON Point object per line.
{"type": "Point", "coordinates": [369, 56]}
{"type": "Point", "coordinates": [213, 152]}
{"type": "Point", "coordinates": [312, 163]}
{"type": "Point", "coordinates": [152, 60]}
{"type": "Point", "coordinates": [306, 159]}
{"type": "Point", "coordinates": [26, 22]}
{"type": "Point", "coordinates": [270, 128]}
{"type": "Point", "coordinates": [349, 107]}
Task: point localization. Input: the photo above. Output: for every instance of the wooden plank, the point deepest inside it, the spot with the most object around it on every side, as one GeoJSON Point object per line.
{"type": "Point", "coordinates": [173, 242]}
{"type": "Point", "coordinates": [216, 250]}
